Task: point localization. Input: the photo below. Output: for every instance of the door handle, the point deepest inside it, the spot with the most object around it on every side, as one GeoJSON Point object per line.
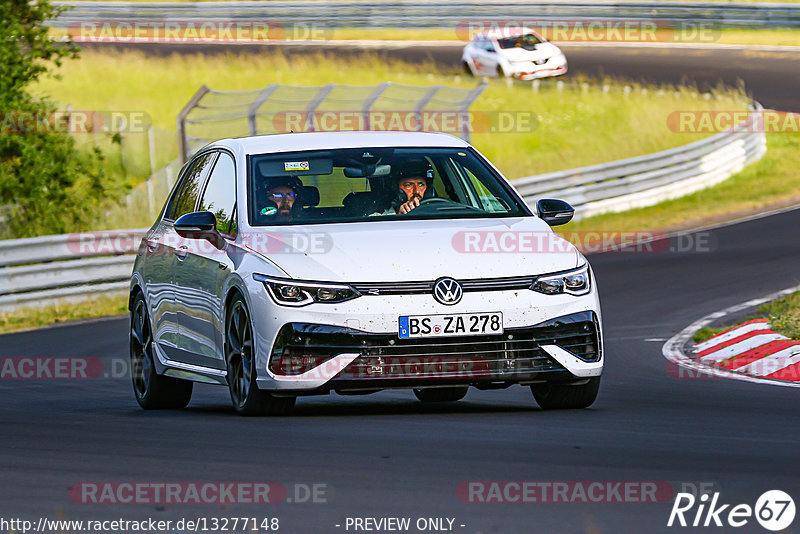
{"type": "Point", "coordinates": [182, 252]}
{"type": "Point", "coordinates": [152, 244]}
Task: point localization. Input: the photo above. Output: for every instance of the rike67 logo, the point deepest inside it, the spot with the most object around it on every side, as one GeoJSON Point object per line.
{"type": "Point", "coordinates": [774, 510]}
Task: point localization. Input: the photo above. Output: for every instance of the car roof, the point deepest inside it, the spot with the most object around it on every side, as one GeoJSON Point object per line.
{"type": "Point", "coordinates": [291, 142]}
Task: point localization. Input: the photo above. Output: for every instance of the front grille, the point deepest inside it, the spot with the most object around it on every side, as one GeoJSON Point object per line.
{"type": "Point", "coordinates": [416, 288]}
{"type": "Point", "coordinates": [515, 354]}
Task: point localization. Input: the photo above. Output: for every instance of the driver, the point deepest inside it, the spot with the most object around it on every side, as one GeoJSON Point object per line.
{"type": "Point", "coordinates": [414, 183]}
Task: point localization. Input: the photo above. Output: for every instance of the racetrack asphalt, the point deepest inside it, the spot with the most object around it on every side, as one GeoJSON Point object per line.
{"type": "Point", "coordinates": [388, 455]}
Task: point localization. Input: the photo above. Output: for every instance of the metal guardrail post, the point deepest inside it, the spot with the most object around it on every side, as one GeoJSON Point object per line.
{"type": "Point", "coordinates": [252, 111]}
{"type": "Point", "coordinates": [422, 102]}
{"type": "Point", "coordinates": [371, 99]}
{"type": "Point", "coordinates": [183, 145]}
{"type": "Point", "coordinates": [316, 101]}
{"type": "Point", "coordinates": [471, 97]}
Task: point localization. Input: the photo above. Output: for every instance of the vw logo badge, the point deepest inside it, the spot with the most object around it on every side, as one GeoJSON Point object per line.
{"type": "Point", "coordinates": [447, 291]}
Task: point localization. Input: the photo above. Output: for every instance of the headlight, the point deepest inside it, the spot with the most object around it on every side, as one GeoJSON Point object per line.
{"type": "Point", "coordinates": [296, 293]}
{"type": "Point", "coordinates": [575, 282]}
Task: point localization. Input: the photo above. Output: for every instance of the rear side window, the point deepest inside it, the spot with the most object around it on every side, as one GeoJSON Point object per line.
{"type": "Point", "coordinates": [190, 190]}
{"type": "Point", "coordinates": [220, 194]}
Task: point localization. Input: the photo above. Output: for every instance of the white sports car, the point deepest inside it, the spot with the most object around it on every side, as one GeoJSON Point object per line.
{"type": "Point", "coordinates": [351, 262]}
{"type": "Point", "coordinates": [520, 53]}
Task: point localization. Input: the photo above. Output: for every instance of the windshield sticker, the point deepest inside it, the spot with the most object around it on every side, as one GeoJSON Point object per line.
{"type": "Point", "coordinates": [269, 211]}
{"type": "Point", "coordinates": [295, 166]}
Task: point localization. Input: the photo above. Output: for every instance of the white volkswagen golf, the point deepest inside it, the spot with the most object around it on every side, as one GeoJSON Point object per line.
{"type": "Point", "coordinates": [352, 262]}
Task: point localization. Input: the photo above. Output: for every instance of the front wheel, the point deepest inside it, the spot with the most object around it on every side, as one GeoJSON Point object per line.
{"type": "Point", "coordinates": [247, 399]}
{"type": "Point", "coordinates": [561, 397]}
{"type": "Point", "coordinates": [153, 391]}
{"type": "Point", "coordinates": [441, 394]}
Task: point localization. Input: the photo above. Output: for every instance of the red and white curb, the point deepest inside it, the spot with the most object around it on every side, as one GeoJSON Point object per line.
{"type": "Point", "coordinates": [754, 350]}
{"type": "Point", "coordinates": [750, 351]}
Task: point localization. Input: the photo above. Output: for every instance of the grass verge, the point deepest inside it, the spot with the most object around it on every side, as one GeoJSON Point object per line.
{"type": "Point", "coordinates": [30, 318]}
{"type": "Point", "coordinates": [724, 36]}
{"type": "Point", "coordinates": [783, 315]}
{"type": "Point", "coordinates": [727, 36]}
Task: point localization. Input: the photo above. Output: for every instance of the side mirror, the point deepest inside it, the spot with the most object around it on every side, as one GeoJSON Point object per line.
{"type": "Point", "coordinates": [554, 212]}
{"type": "Point", "coordinates": [199, 225]}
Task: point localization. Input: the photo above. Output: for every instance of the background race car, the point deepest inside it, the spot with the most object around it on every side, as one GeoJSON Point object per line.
{"type": "Point", "coordinates": [519, 53]}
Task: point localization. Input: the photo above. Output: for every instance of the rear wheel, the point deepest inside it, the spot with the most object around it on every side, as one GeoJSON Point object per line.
{"type": "Point", "coordinates": [153, 391]}
{"type": "Point", "coordinates": [560, 397]}
{"type": "Point", "coordinates": [247, 399]}
{"type": "Point", "coordinates": [441, 394]}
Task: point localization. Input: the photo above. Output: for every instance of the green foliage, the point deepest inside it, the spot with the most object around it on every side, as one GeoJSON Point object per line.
{"type": "Point", "coordinates": [46, 184]}
{"type": "Point", "coordinates": [708, 332]}
{"type": "Point", "coordinates": [784, 315]}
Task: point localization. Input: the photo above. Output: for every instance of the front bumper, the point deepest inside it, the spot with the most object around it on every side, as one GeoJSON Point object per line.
{"type": "Point", "coordinates": [313, 358]}
{"type": "Point", "coordinates": [531, 71]}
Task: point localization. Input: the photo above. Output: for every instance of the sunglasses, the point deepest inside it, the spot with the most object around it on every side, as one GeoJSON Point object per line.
{"type": "Point", "coordinates": [281, 196]}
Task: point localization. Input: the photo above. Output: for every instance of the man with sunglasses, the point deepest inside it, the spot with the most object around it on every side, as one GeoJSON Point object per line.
{"type": "Point", "coordinates": [281, 195]}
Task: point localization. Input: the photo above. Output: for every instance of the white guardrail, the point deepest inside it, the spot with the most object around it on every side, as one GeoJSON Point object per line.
{"type": "Point", "coordinates": [46, 270]}
{"type": "Point", "coordinates": [427, 14]}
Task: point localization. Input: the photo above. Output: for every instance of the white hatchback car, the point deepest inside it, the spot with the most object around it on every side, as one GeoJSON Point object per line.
{"type": "Point", "coordinates": [519, 53]}
{"type": "Point", "coordinates": [305, 263]}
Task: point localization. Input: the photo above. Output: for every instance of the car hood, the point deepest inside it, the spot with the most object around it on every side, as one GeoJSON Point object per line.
{"type": "Point", "coordinates": [420, 250]}
{"type": "Point", "coordinates": [543, 51]}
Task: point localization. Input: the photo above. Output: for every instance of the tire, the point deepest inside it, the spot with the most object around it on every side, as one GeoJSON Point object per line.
{"type": "Point", "coordinates": [152, 391]}
{"type": "Point", "coordinates": [450, 394]}
{"type": "Point", "coordinates": [560, 397]}
{"type": "Point", "coordinates": [467, 70]}
{"type": "Point", "coordinates": [247, 399]}
{"type": "Point", "coordinates": [500, 72]}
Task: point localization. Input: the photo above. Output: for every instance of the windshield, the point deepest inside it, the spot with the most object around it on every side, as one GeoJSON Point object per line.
{"type": "Point", "coordinates": [527, 41]}
{"type": "Point", "coordinates": [372, 184]}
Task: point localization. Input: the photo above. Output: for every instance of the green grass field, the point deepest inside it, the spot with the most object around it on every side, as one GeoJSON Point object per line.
{"type": "Point", "coordinates": [727, 36]}
{"type": "Point", "coordinates": [724, 36]}
{"type": "Point", "coordinates": [579, 124]}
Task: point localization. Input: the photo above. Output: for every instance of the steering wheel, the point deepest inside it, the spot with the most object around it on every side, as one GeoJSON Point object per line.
{"type": "Point", "coordinates": [431, 200]}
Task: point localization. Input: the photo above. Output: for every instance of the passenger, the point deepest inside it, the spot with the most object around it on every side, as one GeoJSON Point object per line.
{"type": "Point", "coordinates": [280, 199]}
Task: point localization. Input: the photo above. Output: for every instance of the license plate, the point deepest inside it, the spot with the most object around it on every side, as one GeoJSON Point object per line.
{"type": "Point", "coordinates": [461, 324]}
